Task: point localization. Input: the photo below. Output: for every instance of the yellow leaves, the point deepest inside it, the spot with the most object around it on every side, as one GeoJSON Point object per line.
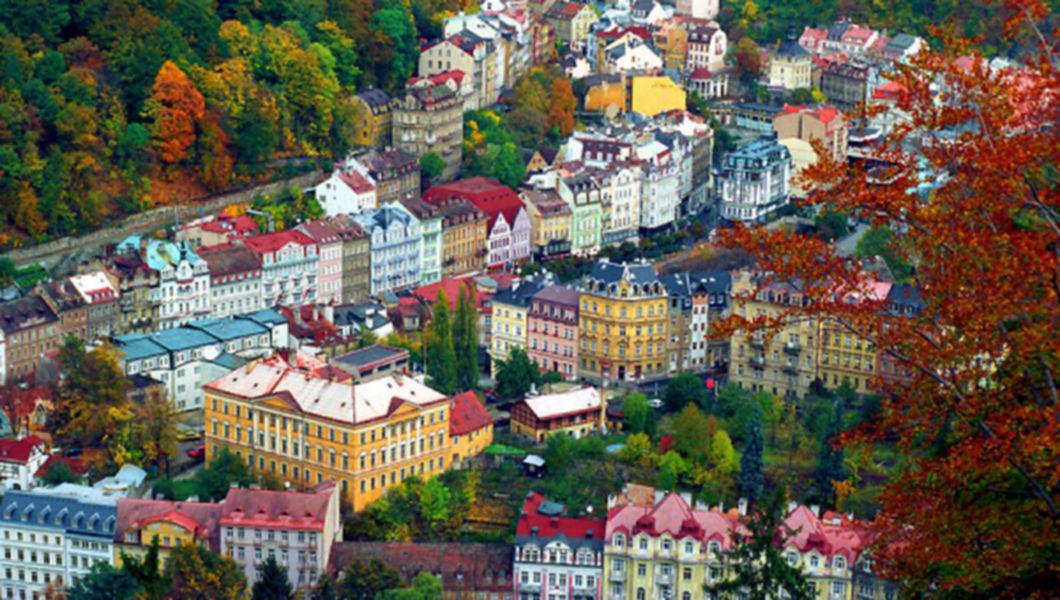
{"type": "Point", "coordinates": [238, 37]}
{"type": "Point", "coordinates": [843, 491]}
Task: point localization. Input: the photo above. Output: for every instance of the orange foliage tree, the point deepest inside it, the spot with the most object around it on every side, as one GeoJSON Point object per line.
{"type": "Point", "coordinates": [972, 510]}
{"type": "Point", "coordinates": [214, 153]}
{"type": "Point", "coordinates": [562, 105]}
{"type": "Point", "coordinates": [176, 107]}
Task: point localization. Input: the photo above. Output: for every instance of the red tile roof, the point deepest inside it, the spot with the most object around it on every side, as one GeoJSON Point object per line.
{"type": "Point", "coordinates": [200, 517]}
{"type": "Point", "coordinates": [701, 73]}
{"type": "Point", "coordinates": [835, 535]}
{"type": "Point", "coordinates": [825, 113]}
{"type": "Point", "coordinates": [320, 232]}
{"type": "Point", "coordinates": [271, 242]}
{"type": "Point", "coordinates": [488, 195]}
{"type": "Point", "coordinates": [19, 451]}
{"type": "Point", "coordinates": [467, 414]}
{"type": "Point", "coordinates": [550, 526]}
{"type": "Point", "coordinates": [355, 181]}
{"type": "Point", "coordinates": [464, 567]}
{"type": "Point", "coordinates": [276, 510]}
{"type": "Point", "coordinates": [74, 464]}
{"type": "Point", "coordinates": [674, 516]}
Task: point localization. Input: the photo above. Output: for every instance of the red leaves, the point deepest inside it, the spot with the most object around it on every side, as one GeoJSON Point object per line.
{"type": "Point", "coordinates": [974, 510]}
{"type": "Point", "coordinates": [177, 107]}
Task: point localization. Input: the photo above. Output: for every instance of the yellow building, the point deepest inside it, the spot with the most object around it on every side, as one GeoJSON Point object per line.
{"type": "Point", "coordinates": [463, 238]}
{"type": "Point", "coordinates": [605, 91]}
{"type": "Point", "coordinates": [622, 324]}
{"type": "Point", "coordinates": [844, 355]}
{"type": "Point", "coordinates": [783, 362]}
{"type": "Point", "coordinates": [140, 522]}
{"type": "Point", "coordinates": [671, 38]}
{"type": "Point", "coordinates": [654, 95]}
{"type": "Point", "coordinates": [305, 427]}
{"type": "Point", "coordinates": [550, 219]}
{"type": "Point", "coordinates": [508, 328]}
{"type": "Point", "coordinates": [374, 119]}
{"type": "Point", "coordinates": [470, 427]}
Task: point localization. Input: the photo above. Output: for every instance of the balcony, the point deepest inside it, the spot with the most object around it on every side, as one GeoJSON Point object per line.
{"type": "Point", "coordinates": [666, 579]}
{"type": "Point", "coordinates": [617, 576]}
{"type": "Point", "coordinates": [792, 347]}
{"type": "Point", "coordinates": [757, 342]}
{"type": "Point", "coordinates": [790, 368]}
{"type": "Point", "coordinates": [758, 361]}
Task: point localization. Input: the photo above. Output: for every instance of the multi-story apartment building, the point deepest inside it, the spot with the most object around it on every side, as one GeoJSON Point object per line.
{"type": "Point", "coordinates": [710, 305]}
{"type": "Point", "coordinates": [217, 229]}
{"type": "Point", "coordinates": [28, 328]}
{"type": "Point", "coordinates": [508, 328]}
{"type": "Point", "coordinates": [307, 428]}
{"type": "Point", "coordinates": [552, 330]}
{"type": "Point", "coordinates": [138, 285]}
{"type": "Point", "coordinates": [183, 282]}
{"type": "Point", "coordinates": [784, 363]}
{"type": "Point", "coordinates": [289, 269]}
{"type": "Point", "coordinates": [550, 222]}
{"type": "Point", "coordinates": [622, 324]}
{"type": "Point", "coordinates": [471, 54]}
{"type": "Point", "coordinates": [142, 522]}
{"type": "Point", "coordinates": [53, 536]}
{"type": "Point", "coordinates": [582, 192]}
{"type": "Point", "coordinates": [431, 237]}
{"type": "Point", "coordinates": [298, 529]}
{"type": "Point", "coordinates": [698, 9]}
{"type": "Point", "coordinates": [396, 174]}
{"type": "Point", "coordinates": [753, 181]}
{"type": "Point", "coordinates": [329, 260]}
{"type": "Point", "coordinates": [680, 333]}
{"type": "Point", "coordinates": [464, 245]}
{"type": "Point", "coordinates": [791, 66]}
{"type": "Point", "coordinates": [68, 305]}
{"type": "Point", "coordinates": [20, 459]}
{"type": "Point", "coordinates": [185, 358]}
{"type": "Point", "coordinates": [620, 191]}
{"type": "Point", "coordinates": [665, 548]}
{"type": "Point", "coordinates": [101, 298]}
{"type": "Point", "coordinates": [577, 413]}
{"type": "Point", "coordinates": [822, 123]}
{"type": "Point", "coordinates": [846, 84]}
{"type": "Point", "coordinates": [395, 248]}
{"type": "Point", "coordinates": [557, 556]}
{"type": "Point", "coordinates": [904, 301]}
{"type": "Point", "coordinates": [660, 196]}
{"type": "Point", "coordinates": [844, 357]}
{"type": "Point", "coordinates": [707, 45]}
{"type": "Point", "coordinates": [356, 259]}
{"type": "Point", "coordinates": [572, 21]}
{"type": "Point", "coordinates": [235, 279]}
{"type": "Point", "coordinates": [509, 225]}
{"type": "Point", "coordinates": [429, 118]}
{"type": "Point", "coordinates": [376, 110]}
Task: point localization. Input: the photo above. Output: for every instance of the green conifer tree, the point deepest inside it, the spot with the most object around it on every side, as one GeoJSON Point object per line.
{"type": "Point", "coordinates": [441, 358]}
{"type": "Point", "coordinates": [751, 479]}
{"type": "Point", "coordinates": [465, 341]}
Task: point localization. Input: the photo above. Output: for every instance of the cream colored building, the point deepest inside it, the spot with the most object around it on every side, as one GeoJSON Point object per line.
{"type": "Point", "coordinates": [550, 221]}
{"type": "Point", "coordinates": [791, 67]}
{"type": "Point", "coordinates": [508, 327]}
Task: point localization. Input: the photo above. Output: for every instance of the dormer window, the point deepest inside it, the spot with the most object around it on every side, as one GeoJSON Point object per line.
{"type": "Point", "coordinates": [620, 540]}
{"type": "Point", "coordinates": [714, 547]}
{"type": "Point", "coordinates": [792, 558]}
{"type": "Point", "coordinates": [840, 563]}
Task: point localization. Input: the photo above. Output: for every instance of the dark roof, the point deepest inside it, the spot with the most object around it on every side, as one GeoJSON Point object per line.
{"type": "Point", "coordinates": [459, 210]}
{"type": "Point", "coordinates": [609, 272]}
{"type": "Point", "coordinates": [836, 31]}
{"type": "Point", "coordinates": [791, 49]}
{"type": "Point", "coordinates": [226, 259]}
{"type": "Point", "coordinates": [900, 43]}
{"type": "Point", "coordinates": [905, 298]}
{"type": "Point", "coordinates": [713, 282]}
{"type": "Point", "coordinates": [559, 294]}
{"type": "Point", "coordinates": [25, 312]}
{"type": "Point", "coordinates": [65, 508]}
{"type": "Point", "coordinates": [462, 566]}
{"type": "Point", "coordinates": [375, 98]}
{"type": "Point", "coordinates": [520, 292]}
{"type": "Point", "coordinates": [371, 355]}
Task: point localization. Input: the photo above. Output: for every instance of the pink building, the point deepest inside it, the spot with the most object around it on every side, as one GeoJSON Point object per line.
{"type": "Point", "coordinates": [329, 263]}
{"type": "Point", "coordinates": [552, 330]}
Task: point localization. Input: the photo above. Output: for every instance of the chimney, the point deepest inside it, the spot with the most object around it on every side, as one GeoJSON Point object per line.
{"type": "Point", "coordinates": [815, 509]}
{"type": "Point", "coordinates": [742, 507]}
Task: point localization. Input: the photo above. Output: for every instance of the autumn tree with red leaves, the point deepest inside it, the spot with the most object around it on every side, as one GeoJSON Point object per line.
{"type": "Point", "coordinates": [972, 511]}
{"type": "Point", "coordinates": [176, 107]}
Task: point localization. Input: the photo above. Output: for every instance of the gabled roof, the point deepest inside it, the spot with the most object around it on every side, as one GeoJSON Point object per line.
{"type": "Point", "coordinates": [674, 517]}
{"type": "Point", "coordinates": [229, 259]}
{"type": "Point", "coordinates": [271, 242]}
{"type": "Point", "coordinates": [352, 179]}
{"type": "Point", "coordinates": [200, 517]}
{"type": "Point", "coordinates": [29, 311]}
{"type": "Point", "coordinates": [467, 414]}
{"type": "Point", "coordinates": [276, 510]}
{"type": "Point", "coordinates": [489, 195]}
{"type": "Point", "coordinates": [19, 451]}
{"type": "Point", "coordinates": [542, 519]}
{"type": "Point", "coordinates": [550, 406]}
{"type": "Point", "coordinates": [375, 98]}
{"type": "Point", "coordinates": [609, 272]}
{"type": "Point", "coordinates": [320, 232]}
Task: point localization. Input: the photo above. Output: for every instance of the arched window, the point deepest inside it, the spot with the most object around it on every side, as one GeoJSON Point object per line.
{"type": "Point", "coordinates": [686, 595]}
{"type": "Point", "coordinates": [640, 594]}
{"type": "Point", "coordinates": [620, 540]}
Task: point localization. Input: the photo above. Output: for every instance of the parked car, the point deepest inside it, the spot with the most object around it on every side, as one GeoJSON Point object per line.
{"type": "Point", "coordinates": [188, 435]}
{"type": "Point", "coordinates": [197, 452]}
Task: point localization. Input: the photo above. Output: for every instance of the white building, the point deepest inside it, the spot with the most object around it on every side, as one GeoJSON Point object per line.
{"type": "Point", "coordinates": [288, 267]}
{"type": "Point", "coordinates": [53, 536]}
{"type": "Point", "coordinates": [235, 279]}
{"type": "Point", "coordinates": [185, 358]}
{"type": "Point", "coordinates": [753, 181]}
{"type": "Point", "coordinates": [557, 556]}
{"type": "Point", "coordinates": [297, 529]}
{"type": "Point", "coordinates": [183, 282]}
{"type": "Point", "coordinates": [20, 460]}
{"type": "Point", "coordinates": [707, 45]}
{"type": "Point", "coordinates": [698, 9]}
{"type": "Point", "coordinates": [349, 189]}
{"type": "Point", "coordinates": [660, 197]}
{"type": "Point", "coordinates": [395, 247]}
{"type": "Point", "coordinates": [620, 192]}
{"type": "Point", "coordinates": [631, 54]}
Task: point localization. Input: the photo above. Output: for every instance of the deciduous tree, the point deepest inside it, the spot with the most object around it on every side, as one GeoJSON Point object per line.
{"type": "Point", "coordinates": [561, 106]}
{"type": "Point", "coordinates": [176, 107]}
{"type": "Point", "coordinates": [198, 574]}
{"type": "Point", "coordinates": [973, 511]}
{"type": "Point", "coordinates": [363, 580]}
{"type": "Point", "coordinates": [271, 582]}
{"type": "Point", "coordinates": [638, 416]}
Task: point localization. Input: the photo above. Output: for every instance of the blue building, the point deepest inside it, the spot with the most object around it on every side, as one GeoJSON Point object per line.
{"type": "Point", "coordinates": [395, 240]}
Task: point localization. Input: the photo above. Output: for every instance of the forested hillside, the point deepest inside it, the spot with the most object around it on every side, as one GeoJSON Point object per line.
{"type": "Point", "coordinates": [111, 106]}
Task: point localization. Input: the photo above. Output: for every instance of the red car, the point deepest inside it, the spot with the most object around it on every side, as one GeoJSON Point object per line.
{"type": "Point", "coordinates": [197, 452]}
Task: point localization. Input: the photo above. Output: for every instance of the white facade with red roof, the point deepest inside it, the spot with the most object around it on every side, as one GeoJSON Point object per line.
{"type": "Point", "coordinates": [347, 190]}
{"type": "Point", "coordinates": [288, 267]}
{"type": "Point", "coordinates": [20, 460]}
{"type": "Point", "coordinates": [557, 556]}
{"type": "Point", "coordinates": [298, 529]}
{"type": "Point", "coordinates": [509, 228]}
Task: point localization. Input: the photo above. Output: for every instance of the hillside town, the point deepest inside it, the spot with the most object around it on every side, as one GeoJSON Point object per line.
{"type": "Point", "coordinates": [628, 300]}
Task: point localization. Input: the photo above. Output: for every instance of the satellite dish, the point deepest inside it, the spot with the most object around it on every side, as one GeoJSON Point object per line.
{"type": "Point", "coordinates": [210, 352]}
